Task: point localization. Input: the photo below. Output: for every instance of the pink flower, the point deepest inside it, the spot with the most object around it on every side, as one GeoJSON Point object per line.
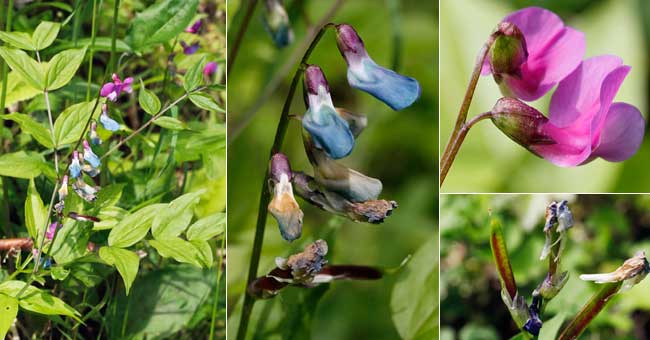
{"type": "Point", "coordinates": [210, 68]}
{"type": "Point", "coordinates": [554, 51]}
{"type": "Point", "coordinates": [49, 234]}
{"type": "Point", "coordinates": [113, 89]}
{"type": "Point", "coordinates": [583, 121]}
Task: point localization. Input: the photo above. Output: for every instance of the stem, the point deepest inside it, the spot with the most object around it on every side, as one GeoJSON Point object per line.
{"type": "Point", "coordinates": [23, 243]}
{"type": "Point", "coordinates": [51, 121]}
{"type": "Point", "coordinates": [265, 195]}
{"type": "Point", "coordinates": [589, 311]}
{"type": "Point", "coordinates": [454, 144]}
{"type": "Point", "coordinates": [240, 34]}
{"type": "Point", "coordinates": [144, 126]}
{"type": "Point", "coordinates": [3, 93]}
{"type": "Point", "coordinates": [114, 37]}
{"type": "Point", "coordinates": [92, 50]}
{"type": "Point", "coordinates": [218, 288]}
{"type": "Point", "coordinates": [451, 149]}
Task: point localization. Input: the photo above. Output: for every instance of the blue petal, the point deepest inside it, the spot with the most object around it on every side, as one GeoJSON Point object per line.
{"type": "Point", "coordinates": [108, 123]}
{"type": "Point", "coordinates": [75, 169]}
{"type": "Point", "coordinates": [329, 132]}
{"type": "Point", "coordinates": [92, 159]}
{"type": "Point", "coordinates": [394, 89]}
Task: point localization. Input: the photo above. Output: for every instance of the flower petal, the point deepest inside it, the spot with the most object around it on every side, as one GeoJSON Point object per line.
{"type": "Point", "coordinates": [108, 123]}
{"type": "Point", "coordinates": [622, 133]}
{"type": "Point", "coordinates": [107, 89]}
{"type": "Point", "coordinates": [329, 131]}
{"type": "Point", "coordinates": [539, 26]}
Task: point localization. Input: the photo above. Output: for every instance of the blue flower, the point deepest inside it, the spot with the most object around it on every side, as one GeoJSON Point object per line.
{"type": "Point", "coordinates": [107, 122]}
{"type": "Point", "coordinates": [94, 137]}
{"type": "Point", "coordinates": [85, 191]}
{"type": "Point", "coordinates": [90, 157]}
{"type": "Point", "coordinates": [283, 206]}
{"type": "Point", "coordinates": [394, 89]}
{"type": "Point", "coordinates": [75, 166]}
{"type": "Point", "coordinates": [328, 130]}
{"type": "Point", "coordinates": [276, 22]}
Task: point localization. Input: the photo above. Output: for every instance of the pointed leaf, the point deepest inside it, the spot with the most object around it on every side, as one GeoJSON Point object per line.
{"type": "Point", "coordinates": [28, 125]}
{"type": "Point", "coordinates": [175, 218]}
{"type": "Point", "coordinates": [35, 212]}
{"type": "Point", "coordinates": [44, 34]}
{"type": "Point", "coordinates": [70, 123]}
{"type": "Point", "coordinates": [8, 312]}
{"type": "Point", "coordinates": [178, 249]}
{"type": "Point", "coordinates": [194, 75]}
{"type": "Point", "coordinates": [21, 165]}
{"type": "Point", "coordinates": [19, 40]}
{"type": "Point", "coordinates": [207, 228]}
{"type": "Point", "coordinates": [205, 252]}
{"type": "Point", "coordinates": [170, 123]}
{"type": "Point", "coordinates": [38, 301]}
{"type": "Point", "coordinates": [134, 227]}
{"type": "Point", "coordinates": [126, 262]}
{"type": "Point", "coordinates": [148, 100]}
{"type": "Point", "coordinates": [62, 68]}
{"type": "Point", "coordinates": [501, 258]}
{"type": "Point", "coordinates": [161, 22]}
{"type": "Point", "coordinates": [29, 69]}
{"type": "Point", "coordinates": [205, 102]}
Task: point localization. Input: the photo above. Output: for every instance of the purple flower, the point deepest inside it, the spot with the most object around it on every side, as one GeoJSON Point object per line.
{"type": "Point", "coordinates": [51, 230]}
{"type": "Point", "coordinates": [190, 49]}
{"type": "Point", "coordinates": [553, 52]}
{"type": "Point", "coordinates": [196, 26]}
{"type": "Point", "coordinates": [210, 68]}
{"type": "Point", "coordinates": [113, 89]}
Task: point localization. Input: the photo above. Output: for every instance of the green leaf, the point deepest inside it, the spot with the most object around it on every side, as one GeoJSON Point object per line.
{"type": "Point", "coordinates": [19, 40]}
{"type": "Point", "coordinates": [8, 312]}
{"type": "Point", "coordinates": [102, 44]}
{"type": "Point", "coordinates": [59, 273]}
{"type": "Point", "coordinates": [175, 218]}
{"type": "Point", "coordinates": [414, 300]}
{"type": "Point", "coordinates": [62, 68]}
{"type": "Point", "coordinates": [148, 100]}
{"type": "Point", "coordinates": [194, 75]}
{"type": "Point", "coordinates": [205, 252]}
{"type": "Point", "coordinates": [21, 165]}
{"type": "Point", "coordinates": [29, 69]}
{"type": "Point", "coordinates": [161, 22]}
{"type": "Point", "coordinates": [110, 217]}
{"type": "Point", "coordinates": [18, 89]}
{"type": "Point", "coordinates": [44, 34]}
{"type": "Point", "coordinates": [35, 212]}
{"type": "Point", "coordinates": [207, 228]}
{"type": "Point", "coordinates": [205, 102]}
{"type": "Point", "coordinates": [551, 327]}
{"type": "Point", "coordinates": [28, 125]}
{"type": "Point", "coordinates": [126, 262]}
{"type": "Point", "coordinates": [170, 123]}
{"type": "Point", "coordinates": [71, 242]}
{"type": "Point", "coordinates": [70, 123]}
{"type": "Point", "coordinates": [38, 301]}
{"type": "Point", "coordinates": [134, 227]}
{"type": "Point", "coordinates": [109, 195]}
{"type": "Point", "coordinates": [178, 249]}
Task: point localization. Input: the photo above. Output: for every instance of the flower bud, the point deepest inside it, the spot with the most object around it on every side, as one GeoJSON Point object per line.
{"type": "Point", "coordinates": [328, 130]}
{"type": "Point", "coordinates": [521, 123]}
{"type": "Point", "coordinates": [551, 286]}
{"type": "Point", "coordinates": [508, 52]}
{"type": "Point", "coordinates": [276, 21]}
{"type": "Point", "coordinates": [283, 206]}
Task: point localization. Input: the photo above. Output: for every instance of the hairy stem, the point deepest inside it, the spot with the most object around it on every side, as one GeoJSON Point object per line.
{"type": "Point", "coordinates": [265, 195]}
{"type": "Point", "coordinates": [250, 9]}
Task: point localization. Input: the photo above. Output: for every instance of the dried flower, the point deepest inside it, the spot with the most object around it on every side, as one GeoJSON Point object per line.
{"type": "Point", "coordinates": [283, 205]}
{"type": "Point", "coordinates": [633, 271]}
{"type": "Point", "coordinates": [85, 191]}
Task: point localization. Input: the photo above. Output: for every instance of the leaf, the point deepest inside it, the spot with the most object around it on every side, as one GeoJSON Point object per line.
{"type": "Point", "coordinates": [38, 301]}
{"type": "Point", "coordinates": [134, 227]}
{"type": "Point", "coordinates": [414, 300]}
{"type": "Point", "coordinates": [29, 69]}
{"type": "Point", "coordinates": [102, 44]}
{"type": "Point", "coordinates": [161, 22]}
{"type": "Point", "coordinates": [71, 242]}
{"type": "Point", "coordinates": [18, 89]}
{"type": "Point", "coordinates": [35, 212]}
{"type": "Point", "coordinates": [178, 249]}
{"type": "Point", "coordinates": [109, 195]}
{"type": "Point", "coordinates": [170, 123]}
{"type": "Point", "coordinates": [32, 127]}
{"type": "Point", "coordinates": [110, 217]}
{"type": "Point", "coordinates": [148, 100]}
{"type": "Point", "coordinates": [8, 312]}
{"type": "Point", "coordinates": [205, 252]}
{"type": "Point", "coordinates": [205, 102]}
{"type": "Point", "coordinates": [21, 165]}
{"type": "Point", "coordinates": [207, 228]}
{"type": "Point", "coordinates": [44, 34]}
{"type": "Point", "coordinates": [194, 75]}
{"type": "Point", "coordinates": [62, 68]}
{"type": "Point", "coordinates": [70, 123]}
{"type": "Point", "coordinates": [175, 218]}
{"type": "Point", "coordinates": [19, 40]}
{"type": "Point", "coordinates": [551, 327]}
{"type": "Point", "coordinates": [126, 262]}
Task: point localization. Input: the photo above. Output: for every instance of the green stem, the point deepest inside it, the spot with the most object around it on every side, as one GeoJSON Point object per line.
{"type": "Point", "coordinates": [112, 62]}
{"type": "Point", "coordinates": [453, 145]}
{"type": "Point", "coordinates": [217, 292]}
{"type": "Point", "coordinates": [3, 91]}
{"type": "Point", "coordinates": [240, 34]}
{"type": "Point", "coordinates": [265, 195]}
{"type": "Point", "coordinates": [92, 50]}
{"type": "Point", "coordinates": [589, 311]}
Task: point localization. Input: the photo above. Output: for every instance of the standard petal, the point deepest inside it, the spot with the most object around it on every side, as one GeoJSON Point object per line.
{"type": "Point", "coordinates": [108, 123]}
{"type": "Point", "coordinates": [329, 131]}
{"type": "Point", "coordinates": [622, 133]}
{"type": "Point", "coordinates": [539, 26]}
{"type": "Point", "coordinates": [107, 89]}
{"type": "Point", "coordinates": [394, 89]}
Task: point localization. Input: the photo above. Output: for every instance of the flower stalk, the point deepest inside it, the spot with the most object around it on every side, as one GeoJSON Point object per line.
{"type": "Point", "coordinates": [589, 311]}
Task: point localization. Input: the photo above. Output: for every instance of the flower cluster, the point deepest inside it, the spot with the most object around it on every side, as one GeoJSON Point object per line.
{"type": "Point", "coordinates": [532, 51]}
{"type": "Point", "coordinates": [188, 49]}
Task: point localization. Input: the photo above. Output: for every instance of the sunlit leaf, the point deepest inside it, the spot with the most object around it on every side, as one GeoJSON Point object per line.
{"type": "Point", "coordinates": [38, 301]}
{"type": "Point", "coordinates": [35, 212]}
{"type": "Point", "coordinates": [8, 312]}
{"type": "Point", "coordinates": [62, 67]}
{"type": "Point", "coordinates": [134, 227]}
{"type": "Point", "coordinates": [44, 34]}
{"type": "Point", "coordinates": [178, 249]}
{"type": "Point", "coordinates": [126, 262]}
{"type": "Point", "coordinates": [29, 69]}
{"type": "Point", "coordinates": [207, 228]}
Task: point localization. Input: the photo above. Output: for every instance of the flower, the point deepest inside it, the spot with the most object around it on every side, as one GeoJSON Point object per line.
{"type": "Point", "coordinates": [190, 49]}
{"type": "Point", "coordinates": [107, 122]}
{"type": "Point", "coordinates": [583, 123]}
{"type": "Point", "coordinates": [51, 230]}
{"type": "Point", "coordinates": [305, 265]}
{"type": "Point", "coordinates": [63, 193]}
{"type": "Point", "coordinates": [210, 68]}
{"type": "Point", "coordinates": [394, 89]}
{"type": "Point", "coordinates": [276, 22]}
{"type": "Point", "coordinates": [89, 155]}
{"type": "Point", "coordinates": [560, 214]}
{"type": "Point", "coordinates": [283, 206]}
{"type": "Point", "coordinates": [94, 137]}
{"type": "Point", "coordinates": [84, 190]}
{"type": "Point", "coordinates": [328, 130]}
{"type": "Point", "coordinates": [553, 52]}
{"type": "Point", "coordinates": [351, 184]}
{"type": "Point", "coordinates": [633, 271]}
{"type": "Point", "coordinates": [113, 89]}
{"type": "Point", "coordinates": [75, 166]}
{"type": "Point", "coordinates": [196, 26]}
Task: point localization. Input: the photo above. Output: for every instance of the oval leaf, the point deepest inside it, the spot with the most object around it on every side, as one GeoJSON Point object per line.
{"type": "Point", "coordinates": [173, 220]}
{"type": "Point", "coordinates": [62, 68]}
{"type": "Point", "coordinates": [148, 100]}
{"type": "Point", "coordinates": [8, 312]}
{"type": "Point", "coordinates": [179, 249]}
{"type": "Point", "coordinates": [21, 165]}
{"type": "Point", "coordinates": [29, 69]}
{"type": "Point", "coordinates": [32, 127]}
{"type": "Point", "coordinates": [134, 227]}
{"type": "Point", "coordinates": [194, 75]}
{"type": "Point", "coordinates": [170, 123]}
{"type": "Point", "coordinates": [35, 212]}
{"type": "Point", "coordinates": [207, 228]}
{"type": "Point", "coordinates": [205, 102]}
{"type": "Point", "coordinates": [19, 40]}
{"type": "Point", "coordinates": [44, 34]}
{"type": "Point", "coordinates": [126, 262]}
{"type": "Point", "coordinates": [38, 301]}
{"type": "Point", "coordinates": [70, 124]}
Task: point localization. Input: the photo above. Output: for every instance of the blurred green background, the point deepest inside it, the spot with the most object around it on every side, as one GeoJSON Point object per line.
{"type": "Point", "coordinates": [609, 229]}
{"type": "Point", "coordinates": [397, 147]}
{"type": "Point", "coordinates": [490, 162]}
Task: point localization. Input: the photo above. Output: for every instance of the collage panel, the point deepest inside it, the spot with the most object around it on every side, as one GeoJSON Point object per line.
{"type": "Point", "coordinates": [331, 229]}
{"type": "Point", "coordinates": [544, 266]}
{"type": "Point", "coordinates": [112, 169]}
{"type": "Point", "coordinates": [559, 103]}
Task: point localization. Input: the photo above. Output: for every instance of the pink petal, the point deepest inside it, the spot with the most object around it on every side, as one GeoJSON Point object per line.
{"type": "Point", "coordinates": [578, 96]}
{"type": "Point", "coordinates": [560, 57]}
{"type": "Point", "coordinates": [127, 85]}
{"type": "Point", "coordinates": [539, 26]}
{"type": "Point", "coordinates": [107, 89]}
{"type": "Point", "coordinates": [572, 146]}
{"type": "Point", "coordinates": [622, 133]}
{"type": "Point", "coordinates": [112, 96]}
{"type": "Point", "coordinates": [608, 91]}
